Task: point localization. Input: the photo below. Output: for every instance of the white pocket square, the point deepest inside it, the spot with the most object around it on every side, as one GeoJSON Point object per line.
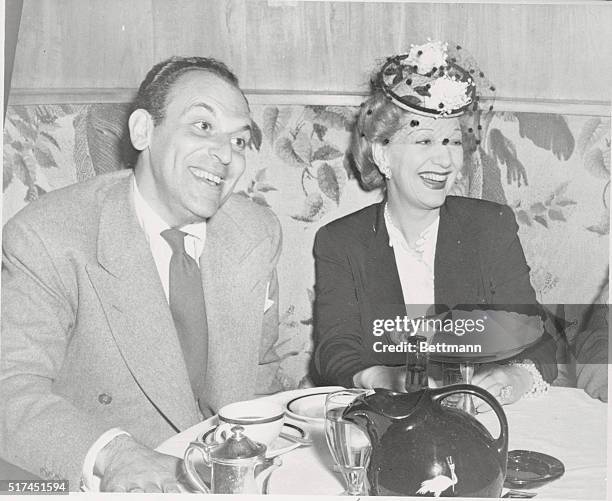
{"type": "Point", "coordinates": [268, 302]}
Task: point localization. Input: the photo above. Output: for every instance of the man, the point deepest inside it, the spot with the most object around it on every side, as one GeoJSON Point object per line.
{"type": "Point", "coordinates": [105, 353]}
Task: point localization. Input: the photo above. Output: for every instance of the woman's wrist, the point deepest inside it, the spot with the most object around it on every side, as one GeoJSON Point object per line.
{"type": "Point", "coordinates": [366, 378]}
{"type": "Point", "coordinates": [538, 386]}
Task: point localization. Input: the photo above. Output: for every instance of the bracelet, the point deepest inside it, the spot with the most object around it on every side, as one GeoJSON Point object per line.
{"type": "Point", "coordinates": [539, 386]}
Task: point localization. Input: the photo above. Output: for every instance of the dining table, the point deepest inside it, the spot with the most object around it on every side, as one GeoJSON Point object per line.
{"type": "Point", "coordinates": [565, 423]}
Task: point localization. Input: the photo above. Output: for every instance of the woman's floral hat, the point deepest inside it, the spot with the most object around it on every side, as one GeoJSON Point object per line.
{"type": "Point", "coordinates": [429, 82]}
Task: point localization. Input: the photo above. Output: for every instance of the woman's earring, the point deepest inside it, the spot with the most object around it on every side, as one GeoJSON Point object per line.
{"type": "Point", "coordinates": [385, 171]}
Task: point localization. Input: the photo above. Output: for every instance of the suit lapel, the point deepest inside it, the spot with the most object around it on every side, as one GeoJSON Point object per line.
{"type": "Point", "coordinates": [234, 295]}
{"type": "Point", "coordinates": [131, 294]}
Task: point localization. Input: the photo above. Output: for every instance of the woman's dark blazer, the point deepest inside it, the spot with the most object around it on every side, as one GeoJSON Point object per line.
{"type": "Point", "coordinates": [478, 261]}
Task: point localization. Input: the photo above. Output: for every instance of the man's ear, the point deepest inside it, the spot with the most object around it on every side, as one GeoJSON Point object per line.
{"type": "Point", "coordinates": [140, 124]}
{"type": "Point", "coordinates": [379, 155]}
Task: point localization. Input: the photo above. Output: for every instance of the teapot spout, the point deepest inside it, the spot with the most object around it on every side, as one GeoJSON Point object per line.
{"type": "Point", "coordinates": [262, 478]}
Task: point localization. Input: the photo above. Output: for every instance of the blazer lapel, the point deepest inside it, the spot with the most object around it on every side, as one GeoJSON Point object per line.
{"type": "Point", "coordinates": [131, 294]}
{"type": "Point", "coordinates": [457, 280]}
{"type": "Point", "coordinates": [457, 277]}
{"type": "Point", "coordinates": [383, 282]}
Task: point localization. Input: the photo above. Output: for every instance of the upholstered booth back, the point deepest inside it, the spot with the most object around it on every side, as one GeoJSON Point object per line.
{"type": "Point", "coordinates": [553, 170]}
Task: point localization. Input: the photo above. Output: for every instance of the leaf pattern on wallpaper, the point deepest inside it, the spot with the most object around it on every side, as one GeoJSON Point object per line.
{"type": "Point", "coordinates": [597, 164]}
{"type": "Point", "coordinates": [347, 165]}
{"type": "Point", "coordinates": [503, 152]}
{"type": "Point", "coordinates": [328, 182]}
{"type": "Point", "coordinates": [548, 131]}
{"type": "Point", "coordinates": [258, 187]}
{"type": "Point", "coordinates": [284, 149]}
{"type": "Point", "coordinates": [107, 127]}
{"type": "Point", "coordinates": [554, 208]}
{"type": "Point", "coordinates": [492, 188]}
{"type": "Point", "coordinates": [313, 203]}
{"type": "Point", "coordinates": [320, 130]}
{"type": "Point", "coordinates": [82, 159]}
{"type": "Point", "coordinates": [304, 141]}
{"type": "Point", "coordinates": [594, 147]}
{"type": "Point", "coordinates": [602, 227]}
{"type": "Point", "coordinates": [101, 135]}
{"type": "Point", "coordinates": [326, 152]}
{"type": "Point", "coordinates": [275, 121]}
{"type": "Point", "coordinates": [302, 145]}
{"type": "Point", "coordinates": [256, 135]}
{"type": "Point", "coordinates": [594, 131]}
{"type": "Point", "coordinates": [29, 144]}
{"type": "Point", "coordinates": [338, 117]}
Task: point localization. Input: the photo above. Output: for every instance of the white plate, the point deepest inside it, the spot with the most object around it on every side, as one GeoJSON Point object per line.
{"type": "Point", "coordinates": [309, 408]}
{"type": "Point", "coordinates": [279, 446]}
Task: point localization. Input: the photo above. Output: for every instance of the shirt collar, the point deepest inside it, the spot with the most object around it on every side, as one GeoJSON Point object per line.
{"type": "Point", "coordinates": [153, 224]}
{"type": "Point", "coordinates": [397, 238]}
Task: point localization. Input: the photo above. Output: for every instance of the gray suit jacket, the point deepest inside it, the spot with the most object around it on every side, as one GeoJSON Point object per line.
{"type": "Point", "coordinates": [88, 341]}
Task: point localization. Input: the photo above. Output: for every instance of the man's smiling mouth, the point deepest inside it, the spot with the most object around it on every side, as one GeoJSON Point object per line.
{"type": "Point", "coordinates": [205, 176]}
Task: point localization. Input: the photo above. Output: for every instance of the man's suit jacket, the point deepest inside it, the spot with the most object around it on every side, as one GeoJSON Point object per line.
{"type": "Point", "coordinates": [88, 340]}
{"type": "Point", "coordinates": [478, 261]}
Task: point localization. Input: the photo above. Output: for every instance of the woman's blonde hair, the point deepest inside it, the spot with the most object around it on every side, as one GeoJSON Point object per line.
{"type": "Point", "coordinates": [377, 121]}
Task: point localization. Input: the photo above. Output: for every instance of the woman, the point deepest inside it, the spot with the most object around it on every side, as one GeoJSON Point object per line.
{"type": "Point", "coordinates": [419, 246]}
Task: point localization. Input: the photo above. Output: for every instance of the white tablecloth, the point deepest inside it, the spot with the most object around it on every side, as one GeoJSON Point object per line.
{"type": "Point", "coordinates": [566, 423]}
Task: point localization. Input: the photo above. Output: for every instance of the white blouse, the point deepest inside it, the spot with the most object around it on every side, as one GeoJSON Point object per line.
{"type": "Point", "coordinates": [415, 266]}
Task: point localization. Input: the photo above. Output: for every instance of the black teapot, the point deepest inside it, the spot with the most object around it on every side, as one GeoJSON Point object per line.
{"type": "Point", "coordinates": [420, 447]}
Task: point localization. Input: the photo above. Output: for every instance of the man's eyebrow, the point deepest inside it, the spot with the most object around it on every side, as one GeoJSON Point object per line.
{"type": "Point", "coordinates": [202, 105]}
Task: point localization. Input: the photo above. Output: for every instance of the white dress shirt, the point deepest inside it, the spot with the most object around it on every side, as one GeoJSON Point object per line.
{"type": "Point", "coordinates": [415, 266]}
{"type": "Point", "coordinates": [153, 225]}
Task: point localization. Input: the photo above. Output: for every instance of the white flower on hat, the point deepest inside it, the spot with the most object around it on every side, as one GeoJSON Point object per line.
{"type": "Point", "coordinates": [450, 92]}
{"type": "Point", "coordinates": [428, 56]}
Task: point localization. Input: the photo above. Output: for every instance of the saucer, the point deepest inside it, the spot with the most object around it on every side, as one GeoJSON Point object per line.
{"type": "Point", "coordinates": [309, 408]}
{"type": "Point", "coordinates": [280, 445]}
{"type": "Point", "coordinates": [527, 469]}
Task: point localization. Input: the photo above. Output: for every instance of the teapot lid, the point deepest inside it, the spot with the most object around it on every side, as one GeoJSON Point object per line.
{"type": "Point", "coordinates": [238, 446]}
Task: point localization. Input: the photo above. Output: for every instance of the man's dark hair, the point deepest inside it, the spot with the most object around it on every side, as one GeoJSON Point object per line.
{"type": "Point", "coordinates": [154, 89]}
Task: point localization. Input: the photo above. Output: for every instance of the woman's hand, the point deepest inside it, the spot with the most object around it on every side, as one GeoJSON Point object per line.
{"type": "Point", "coordinates": [506, 383]}
{"type": "Point", "coordinates": [381, 376]}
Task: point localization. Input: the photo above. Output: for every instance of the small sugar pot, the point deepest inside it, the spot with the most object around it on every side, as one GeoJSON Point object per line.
{"type": "Point", "coordinates": [237, 465]}
{"type": "Point", "coordinates": [421, 448]}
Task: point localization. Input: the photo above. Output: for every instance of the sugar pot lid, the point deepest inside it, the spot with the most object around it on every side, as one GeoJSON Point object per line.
{"type": "Point", "coordinates": [238, 446]}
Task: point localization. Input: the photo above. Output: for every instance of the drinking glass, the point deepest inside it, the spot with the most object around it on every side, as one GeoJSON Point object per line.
{"type": "Point", "coordinates": [416, 365]}
{"type": "Point", "coordinates": [467, 371]}
{"type": "Point", "coordinates": [349, 446]}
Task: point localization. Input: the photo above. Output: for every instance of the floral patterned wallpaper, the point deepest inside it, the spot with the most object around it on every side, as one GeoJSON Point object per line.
{"type": "Point", "coordinates": [553, 170]}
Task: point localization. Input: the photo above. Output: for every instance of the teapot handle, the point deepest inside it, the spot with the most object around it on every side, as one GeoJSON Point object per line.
{"type": "Point", "coordinates": [501, 443]}
{"type": "Point", "coordinates": [192, 474]}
